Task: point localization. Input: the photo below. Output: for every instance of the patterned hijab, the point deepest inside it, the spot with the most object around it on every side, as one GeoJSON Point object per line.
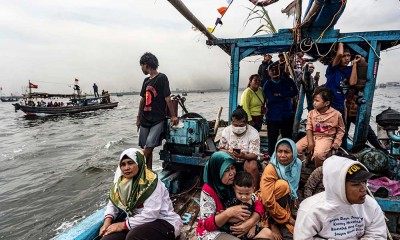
{"type": "Point", "coordinates": [213, 172]}
{"type": "Point", "coordinates": [128, 194]}
{"type": "Point", "coordinates": [290, 172]}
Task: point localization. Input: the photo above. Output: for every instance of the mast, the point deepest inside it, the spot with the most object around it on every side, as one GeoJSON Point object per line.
{"type": "Point", "coordinates": [181, 7]}
{"type": "Point", "coordinates": [30, 89]}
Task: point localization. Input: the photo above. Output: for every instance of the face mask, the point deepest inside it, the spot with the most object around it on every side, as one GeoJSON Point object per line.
{"type": "Point", "coordinates": [239, 130]}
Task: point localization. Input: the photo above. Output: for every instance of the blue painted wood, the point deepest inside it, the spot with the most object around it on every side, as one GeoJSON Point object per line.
{"type": "Point", "coordinates": [234, 82]}
{"type": "Point", "coordinates": [299, 110]}
{"type": "Point", "coordinates": [358, 49]}
{"type": "Point", "coordinates": [183, 159]}
{"type": "Point", "coordinates": [87, 229]}
{"type": "Point", "coordinates": [364, 110]}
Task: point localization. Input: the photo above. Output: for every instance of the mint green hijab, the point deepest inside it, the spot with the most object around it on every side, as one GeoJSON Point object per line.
{"type": "Point", "coordinates": [290, 173]}
{"type": "Point", "coordinates": [213, 172]}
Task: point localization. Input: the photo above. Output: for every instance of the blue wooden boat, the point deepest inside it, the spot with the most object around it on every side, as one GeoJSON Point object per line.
{"type": "Point", "coordinates": [185, 152]}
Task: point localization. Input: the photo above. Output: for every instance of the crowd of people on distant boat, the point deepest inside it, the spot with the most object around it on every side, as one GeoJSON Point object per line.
{"type": "Point", "coordinates": [240, 199]}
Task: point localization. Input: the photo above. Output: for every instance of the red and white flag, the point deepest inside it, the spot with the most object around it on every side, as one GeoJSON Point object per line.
{"type": "Point", "coordinates": [31, 85]}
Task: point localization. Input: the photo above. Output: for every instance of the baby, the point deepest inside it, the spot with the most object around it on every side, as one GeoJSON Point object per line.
{"type": "Point", "coordinates": [244, 188]}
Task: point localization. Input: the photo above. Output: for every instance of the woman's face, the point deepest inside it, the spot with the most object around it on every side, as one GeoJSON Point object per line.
{"type": "Point", "coordinates": [255, 83]}
{"type": "Point", "coordinates": [229, 175]}
{"type": "Point", "coordinates": [129, 168]}
{"type": "Point", "coordinates": [284, 154]}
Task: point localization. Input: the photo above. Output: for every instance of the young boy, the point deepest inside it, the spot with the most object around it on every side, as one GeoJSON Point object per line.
{"type": "Point", "coordinates": [244, 188]}
{"type": "Point", "coordinates": [325, 128]}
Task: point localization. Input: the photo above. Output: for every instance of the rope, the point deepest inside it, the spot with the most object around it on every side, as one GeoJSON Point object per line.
{"type": "Point", "coordinates": [312, 43]}
{"type": "Point", "coordinates": [323, 32]}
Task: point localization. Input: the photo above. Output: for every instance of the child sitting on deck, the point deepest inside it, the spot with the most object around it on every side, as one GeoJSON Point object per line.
{"type": "Point", "coordinates": [325, 128]}
{"type": "Point", "coordinates": [244, 188]}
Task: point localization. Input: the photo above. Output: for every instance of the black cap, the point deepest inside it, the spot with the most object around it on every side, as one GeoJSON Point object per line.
{"type": "Point", "coordinates": [357, 173]}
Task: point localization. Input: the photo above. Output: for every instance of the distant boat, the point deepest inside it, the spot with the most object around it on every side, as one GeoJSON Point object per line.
{"type": "Point", "coordinates": [184, 94]}
{"type": "Point", "coordinates": [10, 99]}
{"type": "Point", "coordinates": [393, 84]}
{"type": "Point", "coordinates": [80, 105]}
{"type": "Point", "coordinates": [119, 95]}
{"type": "Point", "coordinates": [381, 85]}
{"type": "Point", "coordinates": [202, 92]}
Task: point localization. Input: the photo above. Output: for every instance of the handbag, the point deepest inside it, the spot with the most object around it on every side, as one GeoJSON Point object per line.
{"type": "Point", "coordinates": [263, 107]}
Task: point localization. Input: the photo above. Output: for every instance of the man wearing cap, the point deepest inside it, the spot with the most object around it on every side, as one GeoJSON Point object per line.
{"type": "Point", "coordinates": [343, 210]}
{"type": "Point", "coordinates": [263, 68]}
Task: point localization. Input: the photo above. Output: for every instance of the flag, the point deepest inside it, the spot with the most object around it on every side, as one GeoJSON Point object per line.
{"type": "Point", "coordinates": [229, 1]}
{"type": "Point", "coordinates": [290, 9]}
{"type": "Point", "coordinates": [31, 85]}
{"type": "Point", "coordinates": [222, 10]}
{"type": "Point", "coordinates": [218, 21]}
{"type": "Point", "coordinates": [211, 30]}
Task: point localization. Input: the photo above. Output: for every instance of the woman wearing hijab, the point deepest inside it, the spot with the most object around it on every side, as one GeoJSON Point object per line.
{"type": "Point", "coordinates": [138, 193]}
{"type": "Point", "coordinates": [253, 101]}
{"type": "Point", "coordinates": [279, 183]}
{"type": "Point", "coordinates": [219, 173]}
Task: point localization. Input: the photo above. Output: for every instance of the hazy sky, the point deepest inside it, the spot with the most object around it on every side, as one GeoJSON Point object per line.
{"type": "Point", "coordinates": [52, 42]}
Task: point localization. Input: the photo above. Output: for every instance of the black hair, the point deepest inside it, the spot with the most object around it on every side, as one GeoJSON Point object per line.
{"type": "Point", "coordinates": [274, 68]}
{"type": "Point", "coordinates": [150, 60]}
{"type": "Point", "coordinates": [243, 179]}
{"type": "Point", "coordinates": [325, 93]}
{"type": "Point", "coordinates": [125, 157]}
{"type": "Point", "coordinates": [252, 77]}
{"type": "Point", "coordinates": [239, 114]}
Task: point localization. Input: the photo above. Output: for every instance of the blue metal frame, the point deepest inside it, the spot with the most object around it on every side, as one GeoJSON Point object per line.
{"type": "Point", "coordinates": [283, 40]}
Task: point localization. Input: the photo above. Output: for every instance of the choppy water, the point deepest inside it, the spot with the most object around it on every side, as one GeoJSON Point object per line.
{"type": "Point", "coordinates": [54, 171]}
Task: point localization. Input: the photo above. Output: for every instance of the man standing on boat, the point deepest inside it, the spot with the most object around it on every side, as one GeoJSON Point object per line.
{"type": "Point", "coordinates": [95, 90]}
{"type": "Point", "coordinates": [339, 77]}
{"type": "Point", "coordinates": [263, 69]}
{"type": "Point", "coordinates": [155, 97]}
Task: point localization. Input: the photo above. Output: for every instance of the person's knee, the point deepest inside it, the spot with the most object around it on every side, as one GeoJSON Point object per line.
{"type": "Point", "coordinates": [250, 166]}
{"type": "Point", "coordinates": [266, 234]}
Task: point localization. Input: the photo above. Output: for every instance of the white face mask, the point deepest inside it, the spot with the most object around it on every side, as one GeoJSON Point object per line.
{"type": "Point", "coordinates": [239, 130]}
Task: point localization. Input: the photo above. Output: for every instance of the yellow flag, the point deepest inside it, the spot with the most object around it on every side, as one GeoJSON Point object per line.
{"type": "Point", "coordinates": [211, 30]}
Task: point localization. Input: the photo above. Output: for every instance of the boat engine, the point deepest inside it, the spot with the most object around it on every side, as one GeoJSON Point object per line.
{"type": "Point", "coordinates": [189, 137]}
{"type": "Point", "coordinates": [388, 123]}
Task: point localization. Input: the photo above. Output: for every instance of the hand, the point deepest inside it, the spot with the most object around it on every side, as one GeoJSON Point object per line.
{"type": "Point", "coordinates": [115, 227]}
{"type": "Point", "coordinates": [240, 155]}
{"type": "Point", "coordinates": [107, 222]}
{"type": "Point", "coordinates": [296, 203]}
{"type": "Point", "coordinates": [275, 232]}
{"type": "Point", "coordinates": [310, 147]}
{"type": "Point", "coordinates": [174, 121]}
{"type": "Point", "coordinates": [240, 229]}
{"type": "Point", "coordinates": [277, 94]}
{"type": "Point", "coordinates": [335, 146]}
{"type": "Point", "coordinates": [357, 59]}
{"type": "Point", "coordinates": [138, 122]}
{"type": "Point", "coordinates": [252, 232]}
{"type": "Point", "coordinates": [240, 212]}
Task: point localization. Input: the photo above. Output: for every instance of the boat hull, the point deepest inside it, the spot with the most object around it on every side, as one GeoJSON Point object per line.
{"type": "Point", "coordinates": [29, 110]}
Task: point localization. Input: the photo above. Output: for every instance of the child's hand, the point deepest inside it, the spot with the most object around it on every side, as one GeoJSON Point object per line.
{"type": "Point", "coordinates": [310, 147]}
{"type": "Point", "coordinates": [335, 146]}
{"type": "Point", "coordinates": [252, 232]}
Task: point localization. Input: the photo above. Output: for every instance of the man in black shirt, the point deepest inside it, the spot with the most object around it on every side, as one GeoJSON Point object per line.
{"type": "Point", "coordinates": [263, 69]}
{"type": "Point", "coordinates": [155, 95]}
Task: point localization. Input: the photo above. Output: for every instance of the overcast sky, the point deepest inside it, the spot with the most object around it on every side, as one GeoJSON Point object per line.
{"type": "Point", "coordinates": [52, 42]}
